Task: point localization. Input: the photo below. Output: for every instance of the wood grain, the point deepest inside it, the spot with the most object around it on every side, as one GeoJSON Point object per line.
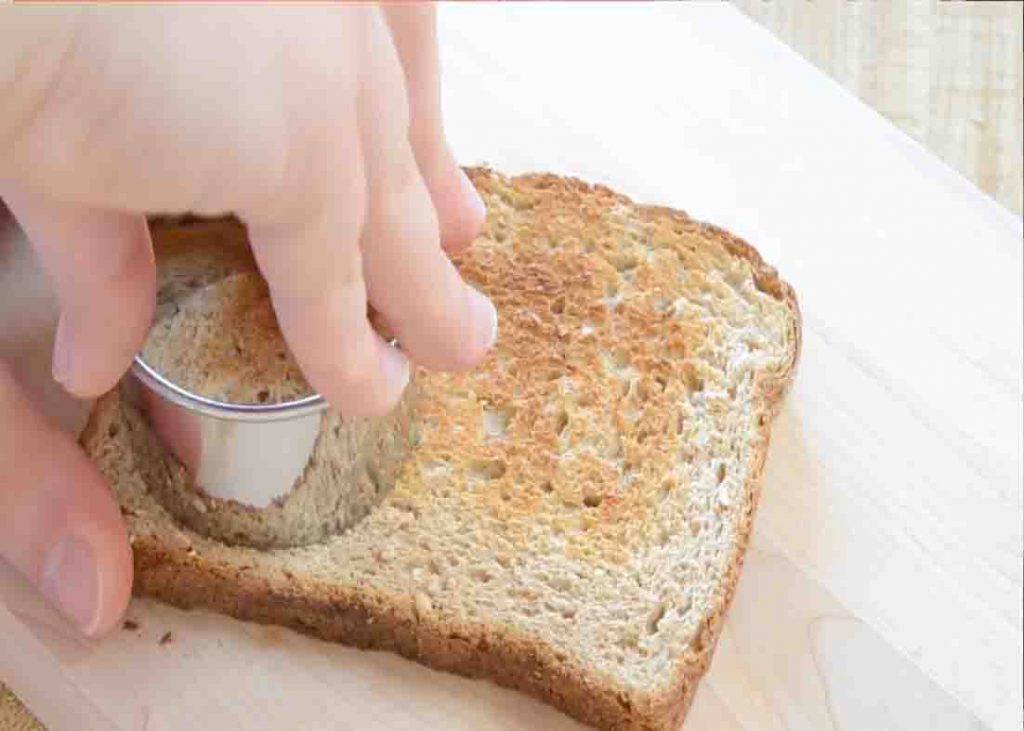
{"type": "Point", "coordinates": [949, 74]}
{"type": "Point", "coordinates": [883, 587]}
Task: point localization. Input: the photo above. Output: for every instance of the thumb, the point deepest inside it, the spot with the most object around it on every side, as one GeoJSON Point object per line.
{"type": "Point", "coordinates": [59, 524]}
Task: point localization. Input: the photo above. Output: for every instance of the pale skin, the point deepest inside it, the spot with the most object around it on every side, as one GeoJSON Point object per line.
{"type": "Point", "coordinates": [319, 126]}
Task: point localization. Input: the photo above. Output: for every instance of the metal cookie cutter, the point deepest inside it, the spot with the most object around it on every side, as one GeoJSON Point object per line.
{"type": "Point", "coordinates": [250, 453]}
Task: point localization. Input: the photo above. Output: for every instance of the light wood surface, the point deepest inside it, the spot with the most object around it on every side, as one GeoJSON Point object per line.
{"type": "Point", "coordinates": [883, 588]}
{"type": "Point", "coordinates": [949, 74]}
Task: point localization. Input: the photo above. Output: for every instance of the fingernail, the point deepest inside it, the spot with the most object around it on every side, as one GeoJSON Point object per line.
{"type": "Point", "coordinates": [485, 314]}
{"type": "Point", "coordinates": [473, 198]}
{"type": "Point", "coordinates": [61, 367]}
{"type": "Point", "coordinates": [70, 579]}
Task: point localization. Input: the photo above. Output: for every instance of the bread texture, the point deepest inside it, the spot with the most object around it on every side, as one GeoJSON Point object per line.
{"type": "Point", "coordinates": [215, 334]}
{"type": "Point", "coordinates": [572, 519]}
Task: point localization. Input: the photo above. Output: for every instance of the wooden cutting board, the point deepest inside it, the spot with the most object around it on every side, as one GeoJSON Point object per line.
{"type": "Point", "coordinates": [883, 588]}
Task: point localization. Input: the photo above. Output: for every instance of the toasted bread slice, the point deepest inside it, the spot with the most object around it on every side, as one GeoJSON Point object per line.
{"type": "Point", "coordinates": [573, 517]}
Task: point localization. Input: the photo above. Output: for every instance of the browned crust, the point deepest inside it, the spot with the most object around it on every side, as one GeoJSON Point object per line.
{"type": "Point", "coordinates": [374, 622]}
{"type": "Point", "coordinates": [170, 571]}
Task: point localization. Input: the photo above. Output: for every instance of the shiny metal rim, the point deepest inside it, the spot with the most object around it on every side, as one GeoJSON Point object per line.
{"type": "Point", "coordinates": [221, 409]}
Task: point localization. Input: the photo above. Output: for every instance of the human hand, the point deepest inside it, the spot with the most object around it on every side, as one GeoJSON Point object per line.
{"type": "Point", "coordinates": [319, 126]}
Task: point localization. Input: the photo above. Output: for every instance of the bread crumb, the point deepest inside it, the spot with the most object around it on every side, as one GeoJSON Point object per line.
{"type": "Point", "coordinates": [423, 605]}
{"type": "Point", "coordinates": [167, 638]}
{"type": "Point", "coordinates": [724, 497]}
{"type": "Point", "coordinates": [434, 586]}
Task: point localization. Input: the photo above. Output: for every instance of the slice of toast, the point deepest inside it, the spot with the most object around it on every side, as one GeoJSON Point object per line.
{"type": "Point", "coordinates": [573, 517]}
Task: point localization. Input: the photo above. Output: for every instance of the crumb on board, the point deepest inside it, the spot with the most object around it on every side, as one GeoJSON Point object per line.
{"type": "Point", "coordinates": [130, 625]}
{"type": "Point", "coordinates": [167, 638]}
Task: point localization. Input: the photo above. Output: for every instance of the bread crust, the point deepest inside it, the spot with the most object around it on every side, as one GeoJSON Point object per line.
{"type": "Point", "coordinates": [166, 568]}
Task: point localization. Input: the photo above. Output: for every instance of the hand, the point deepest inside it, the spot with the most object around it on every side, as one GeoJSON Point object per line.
{"type": "Point", "coordinates": [319, 126]}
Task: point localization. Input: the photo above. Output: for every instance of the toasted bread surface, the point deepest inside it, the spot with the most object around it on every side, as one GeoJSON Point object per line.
{"type": "Point", "coordinates": [573, 516]}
